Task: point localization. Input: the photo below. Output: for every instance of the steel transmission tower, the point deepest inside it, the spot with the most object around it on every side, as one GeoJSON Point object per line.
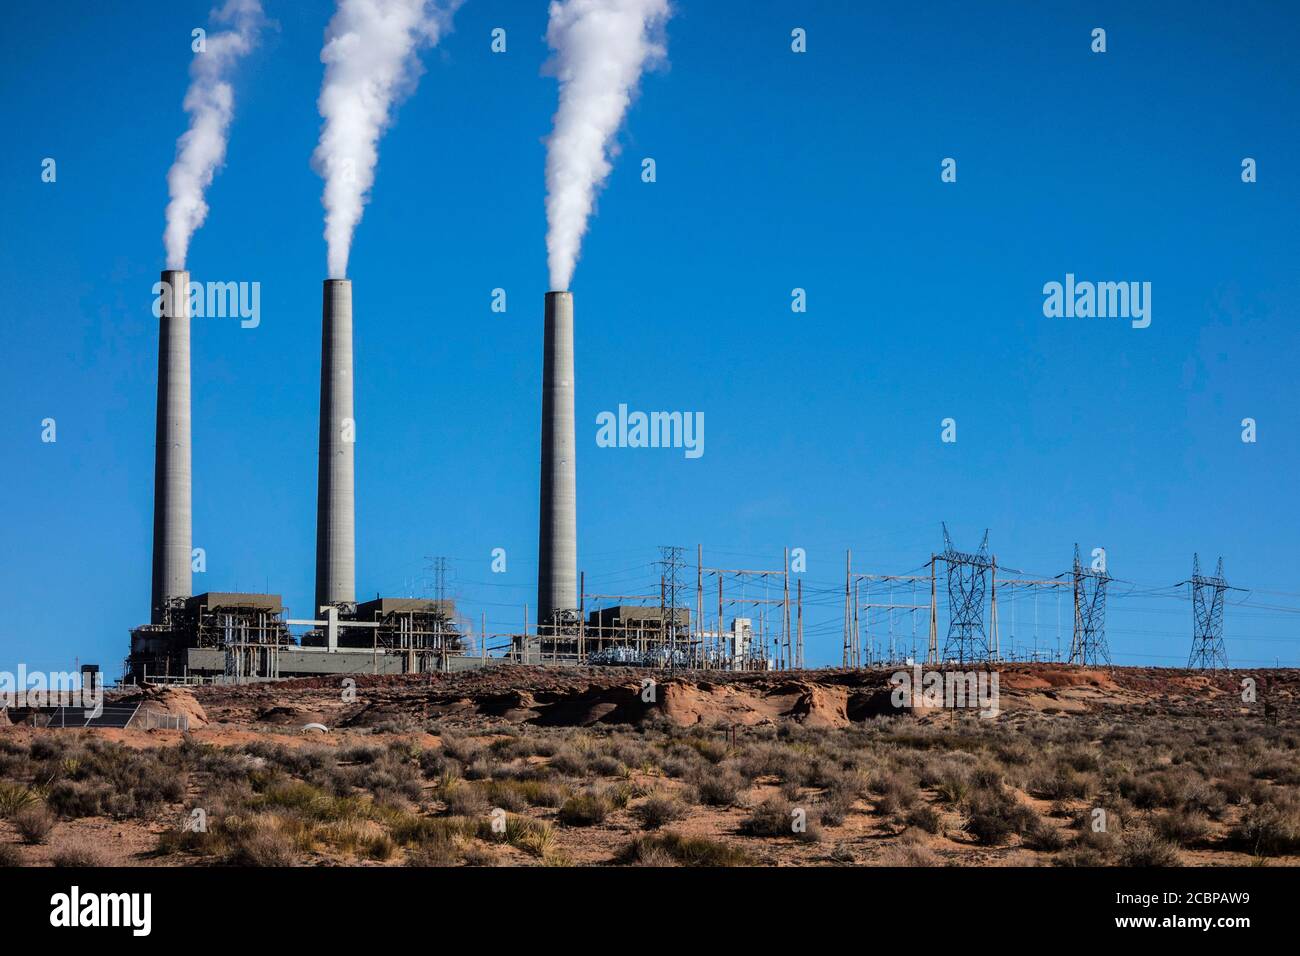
{"type": "Point", "coordinates": [1089, 645]}
{"type": "Point", "coordinates": [968, 576]}
{"type": "Point", "coordinates": [438, 565]}
{"type": "Point", "coordinates": [1208, 651]}
{"type": "Point", "coordinates": [671, 560]}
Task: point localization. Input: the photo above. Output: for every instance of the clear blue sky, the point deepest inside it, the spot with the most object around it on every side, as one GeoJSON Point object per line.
{"type": "Point", "coordinates": [775, 171]}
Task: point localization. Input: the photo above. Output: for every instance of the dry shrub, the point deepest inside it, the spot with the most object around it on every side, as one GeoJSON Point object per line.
{"type": "Point", "coordinates": [34, 824]}
{"type": "Point", "coordinates": [993, 817]}
{"type": "Point", "coordinates": [834, 806]}
{"type": "Point", "coordinates": [1144, 847]}
{"type": "Point", "coordinates": [719, 789]}
{"type": "Point", "coordinates": [1270, 829]}
{"type": "Point", "coordinates": [1041, 835]}
{"type": "Point", "coordinates": [585, 809]}
{"type": "Point", "coordinates": [265, 839]}
{"type": "Point", "coordinates": [776, 817]}
{"type": "Point", "coordinates": [656, 849]}
{"type": "Point", "coordinates": [1064, 783]}
{"type": "Point", "coordinates": [380, 847]}
{"type": "Point", "coordinates": [910, 854]}
{"type": "Point", "coordinates": [1080, 856]}
{"type": "Point", "coordinates": [434, 853]}
{"type": "Point", "coordinates": [1182, 827]}
{"type": "Point", "coordinates": [465, 800]}
{"type": "Point", "coordinates": [80, 857]}
{"type": "Point", "coordinates": [925, 818]}
{"type": "Point", "coordinates": [657, 810]}
{"type": "Point", "coordinates": [478, 855]}
{"type": "Point", "coordinates": [654, 856]}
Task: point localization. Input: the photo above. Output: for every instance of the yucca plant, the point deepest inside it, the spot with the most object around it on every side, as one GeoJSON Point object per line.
{"type": "Point", "coordinates": [15, 797]}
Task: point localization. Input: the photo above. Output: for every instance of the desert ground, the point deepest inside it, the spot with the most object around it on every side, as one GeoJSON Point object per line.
{"type": "Point", "coordinates": [514, 766]}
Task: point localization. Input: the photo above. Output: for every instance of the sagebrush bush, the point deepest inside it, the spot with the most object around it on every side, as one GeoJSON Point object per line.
{"type": "Point", "coordinates": [33, 824]}
{"type": "Point", "coordinates": [1144, 847]}
{"type": "Point", "coordinates": [585, 809]}
{"type": "Point", "coordinates": [718, 789]}
{"type": "Point", "coordinates": [657, 810]}
{"type": "Point", "coordinates": [925, 818]}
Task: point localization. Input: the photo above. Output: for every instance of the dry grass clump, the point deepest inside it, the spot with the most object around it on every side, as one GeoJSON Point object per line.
{"type": "Point", "coordinates": [262, 847]}
{"type": "Point", "coordinates": [81, 857]}
{"type": "Point", "coordinates": [264, 839]}
{"type": "Point", "coordinates": [668, 848]}
{"type": "Point", "coordinates": [535, 837]}
{"type": "Point", "coordinates": [533, 793]}
{"type": "Point", "coordinates": [436, 853]}
{"type": "Point", "coordinates": [911, 850]}
{"type": "Point", "coordinates": [585, 809]}
{"type": "Point", "coordinates": [433, 841]}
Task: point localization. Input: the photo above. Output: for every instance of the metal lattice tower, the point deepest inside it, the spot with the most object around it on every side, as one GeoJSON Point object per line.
{"type": "Point", "coordinates": [968, 576]}
{"type": "Point", "coordinates": [1089, 645]}
{"type": "Point", "coordinates": [1208, 651]}
{"type": "Point", "coordinates": [672, 561]}
{"type": "Point", "coordinates": [438, 565]}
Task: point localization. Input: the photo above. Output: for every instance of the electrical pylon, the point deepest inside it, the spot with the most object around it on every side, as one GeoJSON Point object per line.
{"type": "Point", "coordinates": [1089, 645]}
{"type": "Point", "coordinates": [967, 584]}
{"type": "Point", "coordinates": [1208, 651]}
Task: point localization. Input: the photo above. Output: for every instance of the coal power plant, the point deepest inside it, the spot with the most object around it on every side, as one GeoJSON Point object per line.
{"type": "Point", "coordinates": [231, 636]}
{"type": "Point", "coordinates": [235, 636]}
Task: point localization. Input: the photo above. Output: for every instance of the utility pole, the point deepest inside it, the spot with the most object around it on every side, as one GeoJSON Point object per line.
{"type": "Point", "coordinates": [798, 654]}
{"type": "Point", "coordinates": [932, 653]}
{"type": "Point", "coordinates": [848, 577]}
{"type": "Point", "coordinates": [699, 604]}
{"type": "Point", "coordinates": [785, 609]}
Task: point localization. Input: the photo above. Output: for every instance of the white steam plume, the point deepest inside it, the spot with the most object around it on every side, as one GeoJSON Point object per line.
{"type": "Point", "coordinates": [370, 63]}
{"type": "Point", "coordinates": [210, 103]}
{"type": "Point", "coordinates": [601, 48]}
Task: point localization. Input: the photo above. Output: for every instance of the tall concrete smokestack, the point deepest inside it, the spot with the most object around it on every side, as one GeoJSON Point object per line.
{"type": "Point", "coordinates": [335, 499]}
{"type": "Point", "coordinates": [171, 476]}
{"type": "Point", "coordinates": [557, 550]}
